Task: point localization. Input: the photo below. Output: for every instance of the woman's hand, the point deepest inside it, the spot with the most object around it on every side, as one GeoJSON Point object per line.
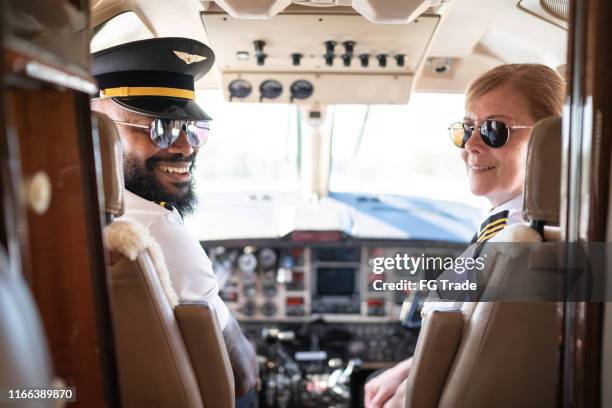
{"type": "Point", "coordinates": [381, 388]}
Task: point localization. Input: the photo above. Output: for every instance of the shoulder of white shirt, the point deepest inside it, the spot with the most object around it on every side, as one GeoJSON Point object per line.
{"type": "Point", "coordinates": [143, 211]}
{"type": "Point", "coordinates": [514, 206]}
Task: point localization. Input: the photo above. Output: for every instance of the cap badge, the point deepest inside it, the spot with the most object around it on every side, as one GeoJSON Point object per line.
{"type": "Point", "coordinates": [188, 58]}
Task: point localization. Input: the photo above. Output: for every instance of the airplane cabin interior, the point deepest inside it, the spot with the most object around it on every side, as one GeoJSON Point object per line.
{"type": "Point", "coordinates": [327, 181]}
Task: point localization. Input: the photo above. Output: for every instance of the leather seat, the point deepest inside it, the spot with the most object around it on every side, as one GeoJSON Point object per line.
{"type": "Point", "coordinates": [24, 356]}
{"type": "Point", "coordinates": [501, 353]}
{"type": "Point", "coordinates": [169, 354]}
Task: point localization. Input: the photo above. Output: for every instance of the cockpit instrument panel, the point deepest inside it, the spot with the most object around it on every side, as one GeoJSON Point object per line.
{"type": "Point", "coordinates": [288, 283]}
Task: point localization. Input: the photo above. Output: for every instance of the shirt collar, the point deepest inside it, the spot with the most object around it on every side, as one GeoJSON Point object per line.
{"type": "Point", "coordinates": [514, 206]}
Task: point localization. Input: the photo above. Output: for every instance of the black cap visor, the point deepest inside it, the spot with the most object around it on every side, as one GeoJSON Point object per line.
{"type": "Point", "coordinates": [164, 108]}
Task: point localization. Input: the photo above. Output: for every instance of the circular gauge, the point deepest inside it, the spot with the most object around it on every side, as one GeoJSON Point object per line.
{"type": "Point", "coordinates": [268, 309]}
{"type": "Point", "coordinates": [270, 89]}
{"type": "Point", "coordinates": [270, 276]}
{"type": "Point", "coordinates": [269, 291]}
{"type": "Point", "coordinates": [267, 258]}
{"type": "Point", "coordinates": [239, 88]}
{"type": "Point", "coordinates": [250, 290]}
{"type": "Point", "coordinates": [247, 262]}
{"type": "Point", "coordinates": [249, 308]}
{"type": "Point", "coordinates": [249, 278]}
{"type": "Point", "coordinates": [301, 89]}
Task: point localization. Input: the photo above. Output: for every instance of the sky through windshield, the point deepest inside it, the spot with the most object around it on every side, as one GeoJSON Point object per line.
{"type": "Point", "coordinates": [403, 149]}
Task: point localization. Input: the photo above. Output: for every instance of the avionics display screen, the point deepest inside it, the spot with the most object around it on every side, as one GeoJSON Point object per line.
{"type": "Point", "coordinates": [335, 281]}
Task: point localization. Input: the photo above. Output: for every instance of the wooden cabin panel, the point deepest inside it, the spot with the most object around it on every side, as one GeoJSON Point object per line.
{"type": "Point", "coordinates": [60, 255]}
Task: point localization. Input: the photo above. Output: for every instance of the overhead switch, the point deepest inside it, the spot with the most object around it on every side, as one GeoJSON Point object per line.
{"type": "Point", "coordinates": [365, 60]}
{"type": "Point", "coordinates": [259, 52]}
{"type": "Point", "coordinates": [296, 58]}
{"type": "Point", "coordinates": [346, 59]}
{"type": "Point", "coordinates": [329, 52]}
{"type": "Point", "coordinates": [382, 60]}
{"type": "Point", "coordinates": [349, 46]}
{"type": "Point", "coordinates": [329, 47]}
{"type": "Point", "coordinates": [400, 59]}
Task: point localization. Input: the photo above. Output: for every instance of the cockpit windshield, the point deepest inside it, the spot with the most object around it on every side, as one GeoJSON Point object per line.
{"type": "Point", "coordinates": [400, 149]}
{"type": "Point", "coordinates": [252, 147]}
{"type": "Point", "coordinates": [379, 149]}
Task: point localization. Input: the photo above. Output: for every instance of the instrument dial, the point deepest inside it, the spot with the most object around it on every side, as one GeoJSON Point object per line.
{"type": "Point", "coordinates": [247, 263]}
{"type": "Point", "coordinates": [268, 309]}
{"type": "Point", "coordinates": [270, 89]}
{"type": "Point", "coordinates": [267, 258]}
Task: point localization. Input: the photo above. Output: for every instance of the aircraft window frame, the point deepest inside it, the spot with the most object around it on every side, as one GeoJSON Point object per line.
{"type": "Point", "coordinates": [419, 158]}
{"type": "Point", "coordinates": [141, 32]}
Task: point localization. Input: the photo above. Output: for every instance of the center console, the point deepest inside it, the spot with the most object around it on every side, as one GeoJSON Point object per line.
{"type": "Point", "coordinates": [314, 316]}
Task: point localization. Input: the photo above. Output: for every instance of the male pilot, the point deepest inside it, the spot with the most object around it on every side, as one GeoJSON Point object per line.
{"type": "Point", "coordinates": [147, 89]}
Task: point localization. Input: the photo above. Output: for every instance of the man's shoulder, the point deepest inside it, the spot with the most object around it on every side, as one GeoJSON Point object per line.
{"type": "Point", "coordinates": [142, 211]}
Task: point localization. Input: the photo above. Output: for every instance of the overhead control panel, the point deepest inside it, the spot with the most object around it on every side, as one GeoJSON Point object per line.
{"type": "Point", "coordinates": [325, 64]}
{"type": "Point", "coordinates": [378, 11]}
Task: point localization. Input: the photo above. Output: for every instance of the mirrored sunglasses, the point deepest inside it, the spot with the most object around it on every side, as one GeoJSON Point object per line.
{"type": "Point", "coordinates": [493, 132]}
{"type": "Point", "coordinates": [165, 132]}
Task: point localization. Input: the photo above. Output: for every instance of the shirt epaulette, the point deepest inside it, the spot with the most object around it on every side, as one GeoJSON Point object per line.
{"type": "Point", "coordinates": [169, 206]}
{"type": "Point", "coordinates": [492, 226]}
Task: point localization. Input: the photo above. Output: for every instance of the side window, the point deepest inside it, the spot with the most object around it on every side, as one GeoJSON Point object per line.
{"type": "Point", "coordinates": [123, 28]}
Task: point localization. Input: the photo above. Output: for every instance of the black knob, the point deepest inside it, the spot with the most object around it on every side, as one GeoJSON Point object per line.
{"type": "Point", "coordinates": [365, 60]}
{"type": "Point", "coordinates": [261, 58]}
{"type": "Point", "coordinates": [259, 54]}
{"type": "Point", "coordinates": [382, 60]}
{"type": "Point", "coordinates": [329, 46]}
{"type": "Point", "coordinates": [296, 58]}
{"type": "Point", "coordinates": [259, 45]}
{"type": "Point", "coordinates": [329, 59]}
{"type": "Point", "coordinates": [400, 59]}
{"type": "Point", "coordinates": [346, 59]}
{"type": "Point", "coordinates": [348, 47]}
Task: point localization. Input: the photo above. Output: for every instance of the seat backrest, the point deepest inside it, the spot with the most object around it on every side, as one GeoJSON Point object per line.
{"type": "Point", "coordinates": [541, 198]}
{"type": "Point", "coordinates": [111, 154]}
{"type": "Point", "coordinates": [24, 356]}
{"type": "Point", "coordinates": [169, 354]}
{"type": "Point", "coordinates": [508, 352]}
{"type": "Point", "coordinates": [439, 340]}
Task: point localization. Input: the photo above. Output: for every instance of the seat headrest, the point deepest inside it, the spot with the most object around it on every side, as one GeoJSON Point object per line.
{"type": "Point", "coordinates": [543, 174]}
{"type": "Point", "coordinates": [111, 153]}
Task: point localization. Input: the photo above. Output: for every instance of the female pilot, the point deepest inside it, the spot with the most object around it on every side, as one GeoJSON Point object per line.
{"type": "Point", "coordinates": [502, 106]}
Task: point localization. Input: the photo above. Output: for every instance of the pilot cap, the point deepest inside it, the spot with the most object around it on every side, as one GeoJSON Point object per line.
{"type": "Point", "coordinates": [154, 77]}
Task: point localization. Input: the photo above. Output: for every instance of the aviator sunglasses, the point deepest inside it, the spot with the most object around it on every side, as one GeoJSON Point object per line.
{"type": "Point", "coordinates": [164, 132]}
{"type": "Point", "coordinates": [493, 132]}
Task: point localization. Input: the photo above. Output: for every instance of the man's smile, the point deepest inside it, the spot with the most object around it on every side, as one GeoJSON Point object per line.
{"type": "Point", "coordinates": [177, 172]}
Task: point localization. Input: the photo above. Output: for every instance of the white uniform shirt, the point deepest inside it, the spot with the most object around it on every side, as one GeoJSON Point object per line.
{"type": "Point", "coordinates": [500, 217]}
{"type": "Point", "coordinates": [190, 269]}
{"type": "Point", "coordinates": [514, 207]}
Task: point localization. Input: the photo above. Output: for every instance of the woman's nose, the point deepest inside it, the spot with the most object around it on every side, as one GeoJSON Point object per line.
{"type": "Point", "coordinates": [475, 144]}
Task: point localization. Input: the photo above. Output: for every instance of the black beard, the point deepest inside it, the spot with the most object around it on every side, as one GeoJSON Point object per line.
{"type": "Point", "coordinates": [140, 179]}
